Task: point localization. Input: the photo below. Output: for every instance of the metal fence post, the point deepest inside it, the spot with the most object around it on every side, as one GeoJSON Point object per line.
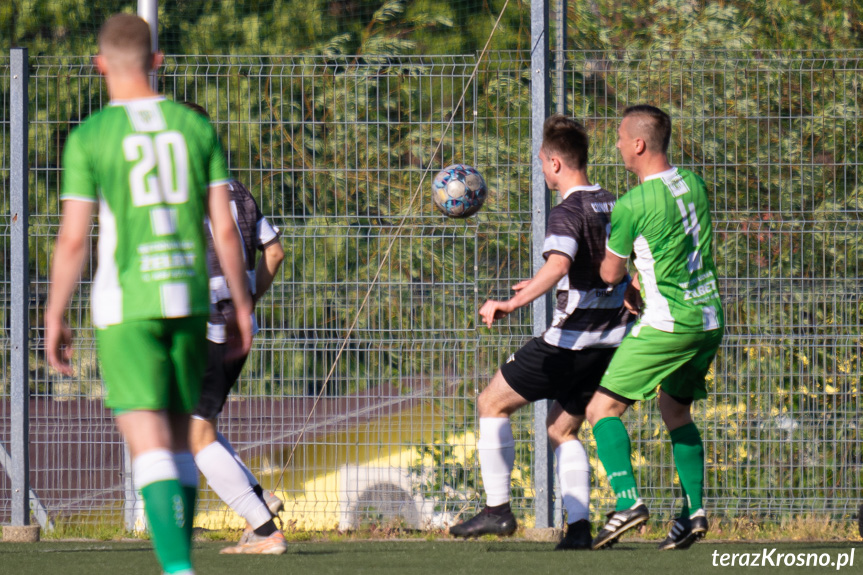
{"type": "Point", "coordinates": [543, 475]}
{"type": "Point", "coordinates": [20, 277]}
{"type": "Point", "coordinates": [560, 108]}
{"type": "Point", "coordinates": [560, 57]}
{"type": "Point", "coordinates": [148, 10]}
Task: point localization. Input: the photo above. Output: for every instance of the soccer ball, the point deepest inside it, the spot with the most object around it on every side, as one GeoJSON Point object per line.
{"type": "Point", "coordinates": [458, 191]}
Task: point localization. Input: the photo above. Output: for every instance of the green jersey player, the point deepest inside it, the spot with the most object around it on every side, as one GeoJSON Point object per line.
{"type": "Point", "coordinates": [155, 169]}
{"type": "Point", "coordinates": [665, 222]}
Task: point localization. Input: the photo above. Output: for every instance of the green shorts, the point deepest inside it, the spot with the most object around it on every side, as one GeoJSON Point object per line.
{"type": "Point", "coordinates": [649, 358]}
{"type": "Point", "coordinates": [155, 364]}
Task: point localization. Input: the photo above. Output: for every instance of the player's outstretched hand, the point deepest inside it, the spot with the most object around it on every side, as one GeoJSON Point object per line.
{"type": "Point", "coordinates": [632, 299]}
{"type": "Point", "coordinates": [58, 342]}
{"type": "Point", "coordinates": [520, 285]}
{"type": "Point", "coordinates": [492, 310]}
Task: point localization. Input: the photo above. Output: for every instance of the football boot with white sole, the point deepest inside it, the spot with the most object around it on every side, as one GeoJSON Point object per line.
{"type": "Point", "coordinates": [685, 531]}
{"type": "Point", "coordinates": [619, 522]}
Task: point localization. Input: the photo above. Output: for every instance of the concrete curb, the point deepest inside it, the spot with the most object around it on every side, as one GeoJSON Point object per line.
{"type": "Point", "coordinates": [21, 533]}
{"type": "Point", "coordinates": [545, 534]}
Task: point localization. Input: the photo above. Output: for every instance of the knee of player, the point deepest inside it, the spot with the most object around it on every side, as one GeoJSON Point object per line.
{"type": "Point", "coordinates": [555, 437]}
{"type": "Point", "coordinates": [485, 404]}
{"type": "Point", "coordinates": [202, 433]}
{"type": "Point", "coordinates": [675, 412]}
{"type": "Point", "coordinates": [561, 425]}
{"type": "Point", "coordinates": [593, 412]}
{"type": "Point", "coordinates": [490, 404]}
{"type": "Point", "coordinates": [675, 419]}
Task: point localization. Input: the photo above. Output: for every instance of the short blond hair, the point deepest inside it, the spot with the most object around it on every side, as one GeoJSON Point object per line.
{"type": "Point", "coordinates": [124, 40]}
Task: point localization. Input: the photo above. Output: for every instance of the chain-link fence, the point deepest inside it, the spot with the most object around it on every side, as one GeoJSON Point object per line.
{"type": "Point", "coordinates": [336, 152]}
{"type": "Point", "coordinates": [337, 149]}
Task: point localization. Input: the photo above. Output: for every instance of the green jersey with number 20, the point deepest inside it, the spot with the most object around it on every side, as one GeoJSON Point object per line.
{"type": "Point", "coordinates": [148, 163]}
{"type": "Point", "coordinates": [666, 222]}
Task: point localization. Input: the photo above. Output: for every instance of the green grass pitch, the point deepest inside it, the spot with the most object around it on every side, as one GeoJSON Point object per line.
{"type": "Point", "coordinates": [441, 557]}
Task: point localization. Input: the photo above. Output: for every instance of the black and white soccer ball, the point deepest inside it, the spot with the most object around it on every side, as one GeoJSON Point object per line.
{"type": "Point", "coordinates": [459, 191]}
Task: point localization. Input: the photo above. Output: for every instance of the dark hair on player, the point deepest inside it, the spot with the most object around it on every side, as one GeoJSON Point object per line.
{"type": "Point", "coordinates": [197, 108]}
{"type": "Point", "coordinates": [655, 126]}
{"type": "Point", "coordinates": [125, 39]}
{"type": "Point", "coordinates": [566, 138]}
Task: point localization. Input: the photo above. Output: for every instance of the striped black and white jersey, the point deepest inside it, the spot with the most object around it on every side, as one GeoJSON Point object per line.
{"type": "Point", "coordinates": [587, 312]}
{"type": "Point", "coordinates": [256, 234]}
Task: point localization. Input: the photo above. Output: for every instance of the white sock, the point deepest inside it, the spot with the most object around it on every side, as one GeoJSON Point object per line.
{"type": "Point", "coordinates": [152, 466]}
{"type": "Point", "coordinates": [227, 445]}
{"type": "Point", "coordinates": [496, 449]}
{"type": "Point", "coordinates": [573, 472]}
{"type": "Point", "coordinates": [187, 471]}
{"type": "Point", "coordinates": [229, 482]}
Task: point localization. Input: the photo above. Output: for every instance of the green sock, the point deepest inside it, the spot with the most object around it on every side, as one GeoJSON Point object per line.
{"type": "Point", "coordinates": [615, 453]}
{"type": "Point", "coordinates": [167, 517]}
{"type": "Point", "coordinates": [190, 494]}
{"type": "Point", "coordinates": [689, 460]}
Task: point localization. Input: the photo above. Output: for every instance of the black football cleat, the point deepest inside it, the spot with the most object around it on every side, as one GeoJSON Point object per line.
{"type": "Point", "coordinates": [486, 522]}
{"type": "Point", "coordinates": [685, 532]}
{"type": "Point", "coordinates": [619, 522]}
{"type": "Point", "coordinates": [577, 536]}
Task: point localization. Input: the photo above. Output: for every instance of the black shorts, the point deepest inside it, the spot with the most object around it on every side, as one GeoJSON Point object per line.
{"type": "Point", "coordinates": [220, 377]}
{"type": "Point", "coordinates": [542, 371]}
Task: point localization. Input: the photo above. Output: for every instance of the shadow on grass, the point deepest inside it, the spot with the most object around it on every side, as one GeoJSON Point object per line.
{"type": "Point", "coordinates": [34, 549]}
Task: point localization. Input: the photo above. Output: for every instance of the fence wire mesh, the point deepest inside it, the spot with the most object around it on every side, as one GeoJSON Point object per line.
{"type": "Point", "coordinates": [335, 149]}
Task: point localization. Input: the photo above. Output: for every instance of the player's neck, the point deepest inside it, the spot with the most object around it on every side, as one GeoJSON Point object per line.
{"type": "Point", "coordinates": [129, 87]}
{"type": "Point", "coordinates": [573, 179]}
{"type": "Point", "coordinates": [652, 166]}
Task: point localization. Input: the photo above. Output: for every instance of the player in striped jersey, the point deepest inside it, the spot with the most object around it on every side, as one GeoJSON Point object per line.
{"type": "Point", "coordinates": [665, 221]}
{"type": "Point", "coordinates": [222, 466]}
{"type": "Point", "coordinates": [154, 168]}
{"type": "Point", "coordinates": [567, 362]}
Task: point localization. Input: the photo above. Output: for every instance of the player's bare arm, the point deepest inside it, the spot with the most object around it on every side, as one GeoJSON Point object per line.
{"type": "Point", "coordinates": [69, 255]}
{"type": "Point", "coordinates": [555, 267]}
{"type": "Point", "coordinates": [267, 267]}
{"type": "Point", "coordinates": [229, 250]}
{"type": "Point", "coordinates": [613, 268]}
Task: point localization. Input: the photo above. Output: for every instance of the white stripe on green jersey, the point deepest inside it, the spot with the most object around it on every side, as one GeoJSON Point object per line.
{"type": "Point", "coordinates": [666, 222]}
{"type": "Point", "coordinates": [148, 163]}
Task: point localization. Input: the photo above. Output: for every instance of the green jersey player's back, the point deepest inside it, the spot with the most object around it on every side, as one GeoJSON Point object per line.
{"type": "Point", "coordinates": [666, 222]}
{"type": "Point", "coordinates": [148, 163]}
